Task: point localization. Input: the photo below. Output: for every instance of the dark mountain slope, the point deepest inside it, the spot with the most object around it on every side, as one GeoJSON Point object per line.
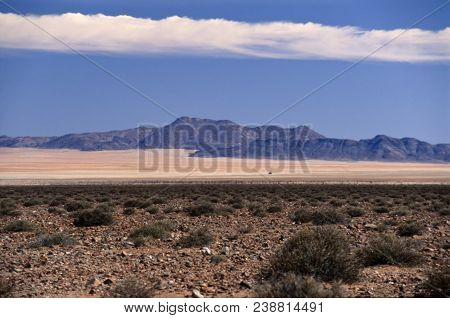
{"type": "Point", "coordinates": [224, 138]}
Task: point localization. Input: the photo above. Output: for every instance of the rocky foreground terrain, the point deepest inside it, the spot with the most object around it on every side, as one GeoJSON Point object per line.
{"type": "Point", "coordinates": [224, 240]}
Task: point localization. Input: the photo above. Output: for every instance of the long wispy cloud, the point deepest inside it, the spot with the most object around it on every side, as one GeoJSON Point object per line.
{"type": "Point", "coordinates": [218, 37]}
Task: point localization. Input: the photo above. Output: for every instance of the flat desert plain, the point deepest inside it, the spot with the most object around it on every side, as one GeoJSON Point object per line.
{"type": "Point", "coordinates": [28, 165]}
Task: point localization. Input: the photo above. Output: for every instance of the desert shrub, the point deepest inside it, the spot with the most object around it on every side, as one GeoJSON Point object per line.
{"type": "Point", "coordinates": [155, 210]}
{"type": "Point", "coordinates": [131, 203]}
{"type": "Point", "coordinates": [18, 226]}
{"type": "Point", "coordinates": [381, 209]}
{"type": "Point", "coordinates": [50, 240]}
{"type": "Point", "coordinates": [274, 209]}
{"type": "Point", "coordinates": [32, 202]}
{"type": "Point", "coordinates": [129, 211]}
{"type": "Point", "coordinates": [391, 250]}
{"type": "Point", "coordinates": [201, 209]}
{"type": "Point", "coordinates": [8, 207]}
{"type": "Point", "coordinates": [57, 201]}
{"type": "Point", "coordinates": [301, 216]}
{"type": "Point", "coordinates": [93, 218]}
{"type": "Point", "coordinates": [6, 288]}
{"type": "Point", "coordinates": [294, 286]}
{"type": "Point", "coordinates": [437, 283]}
{"type": "Point", "coordinates": [55, 210]}
{"type": "Point", "coordinates": [355, 212]}
{"type": "Point", "coordinates": [158, 230]}
{"type": "Point", "coordinates": [323, 252]}
{"type": "Point", "coordinates": [197, 238]}
{"type": "Point", "coordinates": [131, 288]}
{"type": "Point", "coordinates": [329, 216]}
{"type": "Point", "coordinates": [216, 259]}
{"type": "Point", "coordinates": [400, 212]}
{"type": "Point", "coordinates": [410, 229]}
{"type": "Point", "coordinates": [77, 205]}
{"type": "Point", "coordinates": [444, 212]}
{"type": "Point", "coordinates": [158, 201]}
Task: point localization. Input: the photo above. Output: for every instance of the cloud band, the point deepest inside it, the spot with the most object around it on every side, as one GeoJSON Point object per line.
{"type": "Point", "coordinates": [218, 37]}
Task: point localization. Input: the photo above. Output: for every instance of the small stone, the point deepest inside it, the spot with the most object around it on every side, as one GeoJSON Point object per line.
{"type": "Point", "coordinates": [196, 294]}
{"type": "Point", "coordinates": [225, 250]}
{"type": "Point", "coordinates": [370, 226]}
{"type": "Point", "coordinates": [94, 282]}
{"type": "Point", "coordinates": [108, 281]}
{"type": "Point", "coordinates": [245, 284]}
{"type": "Point", "coordinates": [206, 251]}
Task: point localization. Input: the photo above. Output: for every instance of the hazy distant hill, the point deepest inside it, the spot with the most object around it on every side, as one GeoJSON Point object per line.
{"type": "Point", "coordinates": [224, 138]}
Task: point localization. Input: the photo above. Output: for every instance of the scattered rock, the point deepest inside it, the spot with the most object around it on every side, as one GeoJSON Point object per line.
{"type": "Point", "coordinates": [206, 251]}
{"type": "Point", "coordinates": [196, 294]}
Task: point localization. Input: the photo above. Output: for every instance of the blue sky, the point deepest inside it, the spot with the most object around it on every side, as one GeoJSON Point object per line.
{"type": "Point", "coordinates": [46, 92]}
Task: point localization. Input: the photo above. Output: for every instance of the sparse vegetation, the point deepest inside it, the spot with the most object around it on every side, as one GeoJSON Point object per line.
{"type": "Point", "coordinates": [157, 230]}
{"type": "Point", "coordinates": [93, 217]}
{"type": "Point", "coordinates": [437, 283]}
{"type": "Point", "coordinates": [197, 238]}
{"type": "Point", "coordinates": [49, 240]}
{"type": "Point", "coordinates": [6, 288]}
{"type": "Point", "coordinates": [18, 226]}
{"type": "Point", "coordinates": [294, 286]}
{"type": "Point", "coordinates": [389, 249]}
{"type": "Point", "coordinates": [329, 216]}
{"type": "Point", "coordinates": [322, 252]}
{"type": "Point", "coordinates": [131, 288]}
{"type": "Point", "coordinates": [410, 229]}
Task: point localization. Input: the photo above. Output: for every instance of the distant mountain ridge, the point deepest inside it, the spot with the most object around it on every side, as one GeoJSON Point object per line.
{"type": "Point", "coordinates": [224, 138]}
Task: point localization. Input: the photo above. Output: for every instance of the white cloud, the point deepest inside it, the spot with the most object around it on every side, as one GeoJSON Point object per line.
{"type": "Point", "coordinates": [218, 37]}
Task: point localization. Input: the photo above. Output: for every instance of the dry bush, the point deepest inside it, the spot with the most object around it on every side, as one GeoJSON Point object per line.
{"type": "Point", "coordinates": [93, 217]}
{"type": "Point", "coordinates": [355, 212]}
{"type": "Point", "coordinates": [49, 240]}
{"type": "Point", "coordinates": [329, 216]}
{"type": "Point", "coordinates": [157, 230]}
{"type": "Point", "coordinates": [322, 252]}
{"type": "Point", "coordinates": [391, 250]}
{"type": "Point", "coordinates": [301, 216]}
{"type": "Point", "coordinates": [294, 286]}
{"type": "Point", "coordinates": [6, 288]}
{"type": "Point", "coordinates": [197, 238]}
{"type": "Point", "coordinates": [410, 229]}
{"type": "Point", "coordinates": [18, 226]}
{"type": "Point", "coordinates": [132, 288]}
{"type": "Point", "coordinates": [437, 283]}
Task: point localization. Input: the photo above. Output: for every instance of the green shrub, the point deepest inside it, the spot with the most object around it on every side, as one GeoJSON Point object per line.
{"type": "Point", "coordinates": [154, 210]}
{"type": "Point", "coordinates": [329, 216]}
{"type": "Point", "coordinates": [55, 210]}
{"type": "Point", "coordinates": [201, 209]}
{"type": "Point", "coordinates": [50, 240]}
{"type": "Point", "coordinates": [391, 250]}
{"type": "Point", "coordinates": [437, 283]}
{"type": "Point", "coordinates": [301, 216]}
{"type": "Point", "coordinates": [274, 209]}
{"type": "Point", "coordinates": [77, 205]}
{"type": "Point", "coordinates": [8, 208]}
{"type": "Point", "coordinates": [32, 202]}
{"type": "Point", "coordinates": [129, 211]}
{"type": "Point", "coordinates": [93, 218]}
{"type": "Point", "coordinates": [6, 288]}
{"type": "Point", "coordinates": [158, 230]}
{"type": "Point", "coordinates": [294, 286]}
{"type": "Point", "coordinates": [381, 209]}
{"type": "Point", "coordinates": [354, 212]}
{"type": "Point", "coordinates": [18, 226]}
{"type": "Point", "coordinates": [410, 229]}
{"type": "Point", "coordinates": [323, 252]}
{"type": "Point", "coordinates": [197, 238]}
{"type": "Point", "coordinates": [132, 288]}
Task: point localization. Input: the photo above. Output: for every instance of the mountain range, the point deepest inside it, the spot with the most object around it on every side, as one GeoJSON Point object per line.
{"type": "Point", "coordinates": [224, 138]}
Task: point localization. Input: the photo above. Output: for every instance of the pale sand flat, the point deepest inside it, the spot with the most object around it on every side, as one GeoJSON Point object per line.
{"type": "Point", "coordinates": [22, 165]}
